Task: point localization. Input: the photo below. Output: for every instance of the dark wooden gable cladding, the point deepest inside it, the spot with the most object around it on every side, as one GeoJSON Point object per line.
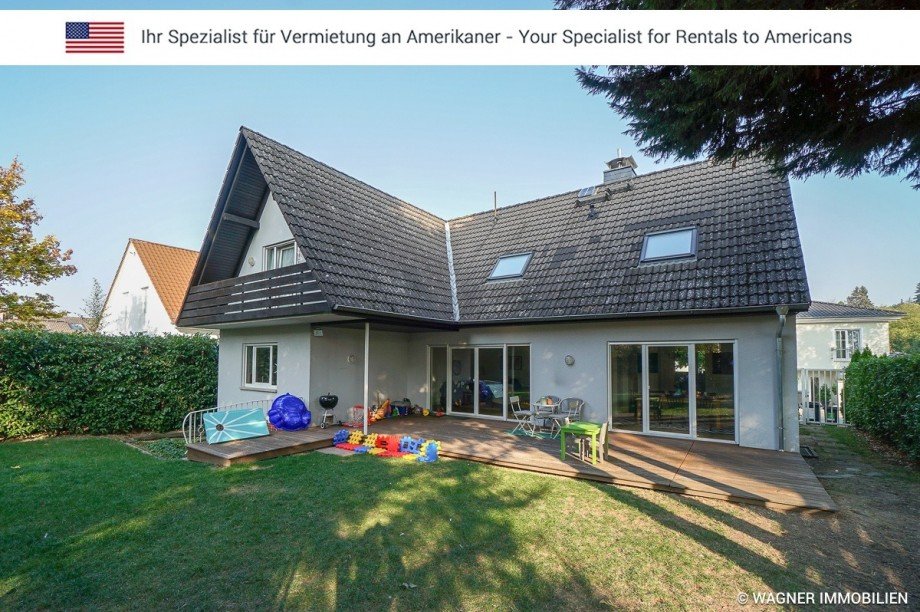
{"type": "Point", "coordinates": [217, 295]}
{"type": "Point", "coordinates": [236, 220]}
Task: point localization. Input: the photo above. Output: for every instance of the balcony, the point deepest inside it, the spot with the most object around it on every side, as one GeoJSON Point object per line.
{"type": "Point", "coordinates": [285, 292]}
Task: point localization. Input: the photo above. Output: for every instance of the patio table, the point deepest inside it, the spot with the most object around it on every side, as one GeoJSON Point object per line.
{"type": "Point", "coordinates": [583, 428]}
{"type": "Point", "coordinates": [542, 411]}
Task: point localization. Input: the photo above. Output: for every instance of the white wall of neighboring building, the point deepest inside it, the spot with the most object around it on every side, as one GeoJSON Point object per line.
{"type": "Point", "coordinates": [815, 341]}
{"type": "Point", "coordinates": [273, 229]}
{"type": "Point", "coordinates": [133, 305]}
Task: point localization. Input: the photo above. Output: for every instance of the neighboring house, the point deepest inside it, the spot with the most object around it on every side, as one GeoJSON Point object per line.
{"type": "Point", "coordinates": [827, 336]}
{"type": "Point", "coordinates": [66, 325]}
{"type": "Point", "coordinates": [147, 291]}
{"type": "Point", "coordinates": [659, 299]}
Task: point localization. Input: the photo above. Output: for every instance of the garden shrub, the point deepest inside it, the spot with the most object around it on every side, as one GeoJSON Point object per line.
{"type": "Point", "coordinates": [89, 383]}
{"type": "Point", "coordinates": [883, 398]}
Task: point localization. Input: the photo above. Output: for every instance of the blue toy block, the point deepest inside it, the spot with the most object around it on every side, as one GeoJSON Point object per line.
{"type": "Point", "coordinates": [361, 450]}
{"type": "Point", "coordinates": [404, 443]}
{"type": "Point", "coordinates": [430, 454]}
{"type": "Point", "coordinates": [340, 436]}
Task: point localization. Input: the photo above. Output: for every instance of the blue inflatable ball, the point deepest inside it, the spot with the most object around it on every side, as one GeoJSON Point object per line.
{"type": "Point", "coordinates": [289, 412]}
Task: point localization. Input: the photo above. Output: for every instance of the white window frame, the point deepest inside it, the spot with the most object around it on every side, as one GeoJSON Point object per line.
{"type": "Point", "coordinates": [691, 391]}
{"type": "Point", "coordinates": [528, 255]}
{"type": "Point", "coordinates": [692, 253]}
{"type": "Point", "coordinates": [450, 387]}
{"type": "Point", "coordinates": [273, 251]}
{"type": "Point", "coordinates": [250, 349]}
{"type": "Point", "coordinates": [849, 347]}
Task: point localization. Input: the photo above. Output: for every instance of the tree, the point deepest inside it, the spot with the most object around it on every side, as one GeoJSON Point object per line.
{"type": "Point", "coordinates": [859, 298]}
{"type": "Point", "coordinates": [25, 260]}
{"type": "Point", "coordinates": [917, 294]}
{"type": "Point", "coordinates": [905, 333]}
{"type": "Point", "coordinates": [803, 120]}
{"type": "Point", "coordinates": [94, 307]}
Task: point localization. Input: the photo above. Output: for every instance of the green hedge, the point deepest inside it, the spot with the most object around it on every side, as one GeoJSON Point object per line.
{"type": "Point", "coordinates": [88, 383]}
{"type": "Point", "coordinates": [883, 398]}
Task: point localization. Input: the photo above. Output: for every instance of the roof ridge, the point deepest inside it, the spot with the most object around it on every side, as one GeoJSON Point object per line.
{"type": "Point", "coordinates": [845, 305]}
{"type": "Point", "coordinates": [245, 129]}
{"type": "Point", "coordinates": [163, 244]}
{"type": "Point", "coordinates": [571, 191]}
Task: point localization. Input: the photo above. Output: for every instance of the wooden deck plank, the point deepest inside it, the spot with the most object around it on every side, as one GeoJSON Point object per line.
{"type": "Point", "coordinates": [703, 469]}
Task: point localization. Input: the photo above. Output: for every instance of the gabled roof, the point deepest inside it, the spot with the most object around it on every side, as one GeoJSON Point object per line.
{"type": "Point", "coordinates": [170, 269]}
{"type": "Point", "coordinates": [373, 253]}
{"type": "Point", "coordinates": [829, 310]}
{"type": "Point", "coordinates": [66, 325]}
{"type": "Point", "coordinates": [587, 263]}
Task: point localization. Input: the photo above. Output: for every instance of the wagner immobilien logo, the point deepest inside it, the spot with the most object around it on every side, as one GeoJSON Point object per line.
{"type": "Point", "coordinates": [95, 37]}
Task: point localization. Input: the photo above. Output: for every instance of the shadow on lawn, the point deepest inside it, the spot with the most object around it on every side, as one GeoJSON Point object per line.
{"type": "Point", "coordinates": [312, 531]}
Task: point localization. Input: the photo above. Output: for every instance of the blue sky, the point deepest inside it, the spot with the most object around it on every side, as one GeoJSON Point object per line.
{"type": "Point", "coordinates": [113, 153]}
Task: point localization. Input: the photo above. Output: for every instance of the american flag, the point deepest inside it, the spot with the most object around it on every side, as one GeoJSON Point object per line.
{"type": "Point", "coordinates": [95, 36]}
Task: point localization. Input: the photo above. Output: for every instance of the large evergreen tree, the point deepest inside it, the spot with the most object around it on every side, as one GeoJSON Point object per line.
{"type": "Point", "coordinates": [804, 120]}
{"type": "Point", "coordinates": [24, 259]}
{"type": "Point", "coordinates": [859, 298]}
{"type": "Point", "coordinates": [917, 294]}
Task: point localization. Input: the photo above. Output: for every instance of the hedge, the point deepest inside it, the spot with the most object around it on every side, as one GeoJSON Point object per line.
{"type": "Point", "coordinates": [89, 383]}
{"type": "Point", "coordinates": [883, 398]}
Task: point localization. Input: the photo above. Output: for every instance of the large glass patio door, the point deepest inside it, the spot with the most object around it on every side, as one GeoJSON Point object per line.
{"type": "Point", "coordinates": [463, 380]}
{"type": "Point", "coordinates": [675, 389]}
{"type": "Point", "coordinates": [669, 389]}
{"type": "Point", "coordinates": [478, 380]}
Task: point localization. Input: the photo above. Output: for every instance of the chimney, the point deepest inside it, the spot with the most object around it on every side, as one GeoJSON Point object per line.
{"type": "Point", "coordinates": [620, 169]}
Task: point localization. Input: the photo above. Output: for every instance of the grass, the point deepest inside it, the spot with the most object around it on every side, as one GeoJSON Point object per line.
{"type": "Point", "coordinates": [93, 523]}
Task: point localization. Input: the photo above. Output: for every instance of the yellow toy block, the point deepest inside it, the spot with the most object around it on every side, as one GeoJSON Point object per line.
{"type": "Point", "coordinates": [355, 437]}
{"type": "Point", "coordinates": [370, 440]}
{"type": "Point", "coordinates": [376, 451]}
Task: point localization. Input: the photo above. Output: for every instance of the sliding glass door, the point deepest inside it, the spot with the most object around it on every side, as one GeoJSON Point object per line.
{"type": "Point", "coordinates": [675, 389]}
{"type": "Point", "coordinates": [669, 389]}
{"type": "Point", "coordinates": [478, 380]}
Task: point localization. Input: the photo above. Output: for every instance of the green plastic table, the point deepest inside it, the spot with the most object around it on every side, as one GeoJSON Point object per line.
{"type": "Point", "coordinates": [582, 428]}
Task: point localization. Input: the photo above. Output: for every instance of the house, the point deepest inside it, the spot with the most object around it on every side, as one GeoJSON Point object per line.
{"type": "Point", "coordinates": [66, 325]}
{"type": "Point", "coordinates": [666, 301]}
{"type": "Point", "coordinates": [826, 338]}
{"type": "Point", "coordinates": [147, 291]}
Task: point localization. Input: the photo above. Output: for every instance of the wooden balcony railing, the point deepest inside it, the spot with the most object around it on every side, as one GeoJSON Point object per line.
{"type": "Point", "coordinates": [285, 292]}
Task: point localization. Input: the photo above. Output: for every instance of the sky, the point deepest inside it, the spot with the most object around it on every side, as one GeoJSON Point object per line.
{"type": "Point", "coordinates": [112, 153]}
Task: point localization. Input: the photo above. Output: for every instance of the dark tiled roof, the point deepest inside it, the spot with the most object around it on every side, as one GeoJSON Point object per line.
{"type": "Point", "coordinates": [372, 252]}
{"type": "Point", "coordinates": [748, 251]}
{"type": "Point", "coordinates": [829, 310]}
{"type": "Point", "coordinates": [369, 250]}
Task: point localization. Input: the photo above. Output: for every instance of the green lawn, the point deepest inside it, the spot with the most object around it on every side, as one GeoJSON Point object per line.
{"type": "Point", "coordinates": [93, 523]}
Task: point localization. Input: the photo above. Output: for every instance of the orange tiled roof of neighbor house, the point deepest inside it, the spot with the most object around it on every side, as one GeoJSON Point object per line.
{"type": "Point", "coordinates": [170, 269]}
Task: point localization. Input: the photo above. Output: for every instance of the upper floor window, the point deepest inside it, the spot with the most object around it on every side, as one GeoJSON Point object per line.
{"type": "Point", "coordinates": [671, 244]}
{"type": "Point", "coordinates": [510, 266]}
{"type": "Point", "coordinates": [846, 342]}
{"type": "Point", "coordinates": [279, 255]}
{"type": "Point", "coordinates": [260, 366]}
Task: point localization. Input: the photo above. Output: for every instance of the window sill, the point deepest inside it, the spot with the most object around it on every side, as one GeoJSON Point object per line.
{"type": "Point", "coordinates": [263, 389]}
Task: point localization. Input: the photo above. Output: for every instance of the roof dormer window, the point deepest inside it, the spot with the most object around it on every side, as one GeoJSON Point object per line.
{"type": "Point", "coordinates": [672, 244]}
{"type": "Point", "coordinates": [510, 266]}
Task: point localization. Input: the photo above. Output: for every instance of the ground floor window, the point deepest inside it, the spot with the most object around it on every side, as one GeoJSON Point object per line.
{"type": "Point", "coordinates": [680, 389]}
{"type": "Point", "coordinates": [478, 380]}
{"type": "Point", "coordinates": [260, 366]}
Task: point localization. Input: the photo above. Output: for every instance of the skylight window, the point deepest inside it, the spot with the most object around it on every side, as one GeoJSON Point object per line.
{"type": "Point", "coordinates": [510, 266]}
{"type": "Point", "coordinates": [587, 192]}
{"type": "Point", "coordinates": [669, 245]}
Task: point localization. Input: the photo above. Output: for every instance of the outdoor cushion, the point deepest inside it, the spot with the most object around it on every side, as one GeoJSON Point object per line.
{"type": "Point", "coordinates": [227, 425]}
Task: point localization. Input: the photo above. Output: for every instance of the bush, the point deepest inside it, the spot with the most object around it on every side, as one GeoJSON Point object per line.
{"type": "Point", "coordinates": [87, 383]}
{"type": "Point", "coordinates": [883, 399]}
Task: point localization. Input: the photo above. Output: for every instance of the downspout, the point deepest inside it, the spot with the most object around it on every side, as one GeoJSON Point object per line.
{"type": "Point", "coordinates": [781, 311]}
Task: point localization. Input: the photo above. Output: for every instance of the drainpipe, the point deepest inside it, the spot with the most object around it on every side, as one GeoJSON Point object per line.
{"type": "Point", "coordinates": [781, 311]}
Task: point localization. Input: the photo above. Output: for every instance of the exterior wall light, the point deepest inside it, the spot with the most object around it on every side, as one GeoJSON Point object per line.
{"type": "Point", "coordinates": [569, 360]}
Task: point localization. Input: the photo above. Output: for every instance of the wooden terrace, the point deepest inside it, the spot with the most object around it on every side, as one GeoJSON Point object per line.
{"type": "Point", "coordinates": [703, 469]}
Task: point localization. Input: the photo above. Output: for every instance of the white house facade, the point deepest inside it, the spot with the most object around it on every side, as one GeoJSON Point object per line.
{"type": "Point", "coordinates": [648, 301]}
{"type": "Point", "coordinates": [826, 338]}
